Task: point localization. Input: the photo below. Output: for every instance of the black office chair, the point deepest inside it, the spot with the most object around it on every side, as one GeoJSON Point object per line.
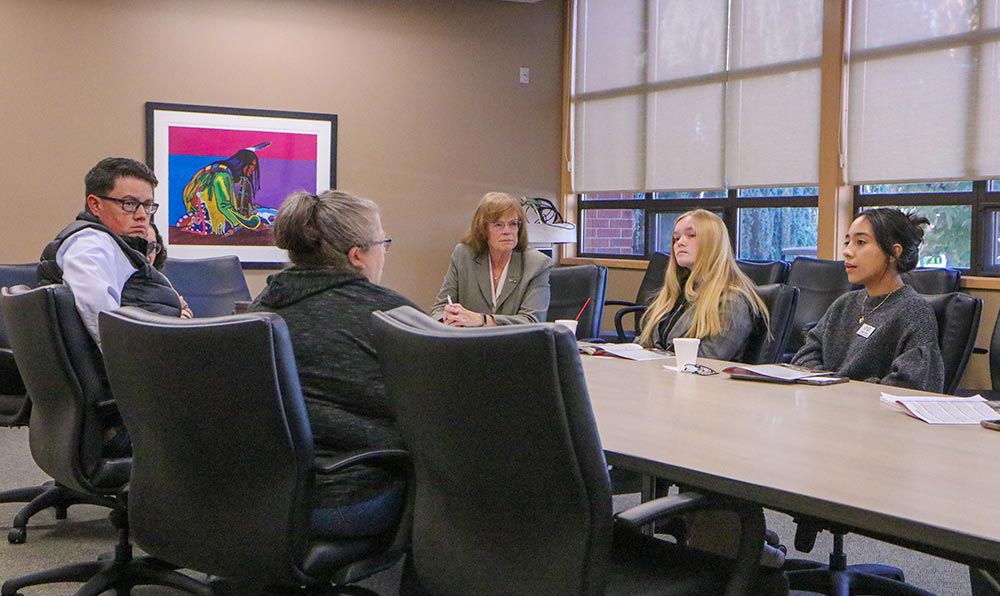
{"type": "Point", "coordinates": [64, 374]}
{"type": "Point", "coordinates": [993, 393]}
{"type": "Point", "coordinates": [15, 411]}
{"type": "Point", "coordinates": [570, 289]}
{"type": "Point", "coordinates": [820, 282]}
{"type": "Point", "coordinates": [210, 286]}
{"type": "Point", "coordinates": [938, 280]}
{"type": "Point", "coordinates": [765, 347]}
{"type": "Point", "coordinates": [763, 273]}
{"type": "Point", "coordinates": [512, 492]}
{"type": "Point", "coordinates": [958, 322]}
{"type": "Point", "coordinates": [651, 283]}
{"type": "Point", "coordinates": [223, 471]}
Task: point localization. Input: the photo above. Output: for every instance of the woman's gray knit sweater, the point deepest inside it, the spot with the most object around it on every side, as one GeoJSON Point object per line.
{"type": "Point", "coordinates": [902, 350]}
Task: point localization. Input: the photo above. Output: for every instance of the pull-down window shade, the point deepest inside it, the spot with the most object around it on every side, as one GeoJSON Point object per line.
{"type": "Point", "coordinates": [695, 94]}
{"type": "Point", "coordinates": [924, 90]}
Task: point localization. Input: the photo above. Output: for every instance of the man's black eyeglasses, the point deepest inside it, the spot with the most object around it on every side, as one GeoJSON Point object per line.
{"type": "Point", "coordinates": [699, 370]}
{"type": "Point", "coordinates": [152, 248]}
{"type": "Point", "coordinates": [132, 205]}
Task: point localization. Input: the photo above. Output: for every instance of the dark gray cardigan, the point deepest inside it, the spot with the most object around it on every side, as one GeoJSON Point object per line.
{"type": "Point", "coordinates": [328, 313]}
{"type": "Point", "coordinates": [902, 351]}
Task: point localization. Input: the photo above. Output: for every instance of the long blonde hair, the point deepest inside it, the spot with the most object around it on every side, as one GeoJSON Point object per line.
{"type": "Point", "coordinates": [709, 284]}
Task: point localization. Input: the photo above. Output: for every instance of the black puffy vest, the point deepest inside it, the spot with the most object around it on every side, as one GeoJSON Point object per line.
{"type": "Point", "coordinates": [147, 288]}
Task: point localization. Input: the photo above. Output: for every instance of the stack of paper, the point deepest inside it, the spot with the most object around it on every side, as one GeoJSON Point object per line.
{"type": "Point", "coordinates": [943, 410]}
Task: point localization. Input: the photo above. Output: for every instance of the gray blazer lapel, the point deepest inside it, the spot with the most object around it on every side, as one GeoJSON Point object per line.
{"type": "Point", "coordinates": [482, 270]}
{"type": "Point", "coordinates": [514, 273]}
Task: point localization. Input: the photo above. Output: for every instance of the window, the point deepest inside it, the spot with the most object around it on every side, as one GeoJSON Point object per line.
{"type": "Point", "coordinates": [765, 223]}
{"type": "Point", "coordinates": [674, 95]}
{"type": "Point", "coordinates": [956, 211]}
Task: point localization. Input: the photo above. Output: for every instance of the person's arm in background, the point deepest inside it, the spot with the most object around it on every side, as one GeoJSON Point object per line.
{"type": "Point", "coordinates": [449, 289]}
{"type": "Point", "coordinates": [95, 269]}
{"type": "Point", "coordinates": [737, 328]}
{"type": "Point", "coordinates": [810, 355]}
{"type": "Point", "coordinates": [919, 364]}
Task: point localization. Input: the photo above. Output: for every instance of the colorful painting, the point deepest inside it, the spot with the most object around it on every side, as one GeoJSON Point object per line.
{"type": "Point", "coordinates": [224, 172]}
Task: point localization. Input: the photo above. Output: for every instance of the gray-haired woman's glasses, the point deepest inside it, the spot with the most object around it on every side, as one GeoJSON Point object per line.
{"type": "Point", "coordinates": [385, 244]}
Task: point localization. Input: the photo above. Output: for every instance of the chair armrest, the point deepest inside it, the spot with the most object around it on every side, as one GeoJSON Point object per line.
{"type": "Point", "coordinates": [752, 525]}
{"type": "Point", "coordinates": [392, 458]}
{"type": "Point", "coordinates": [638, 309]}
{"type": "Point", "coordinates": [650, 511]}
{"type": "Point", "coordinates": [619, 303]}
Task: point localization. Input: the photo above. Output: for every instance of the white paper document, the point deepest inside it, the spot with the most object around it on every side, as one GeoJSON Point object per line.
{"type": "Point", "coordinates": [629, 351]}
{"type": "Point", "coordinates": [942, 410]}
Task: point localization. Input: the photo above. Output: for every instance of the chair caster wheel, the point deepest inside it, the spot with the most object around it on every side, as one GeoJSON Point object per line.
{"type": "Point", "coordinates": [17, 536]}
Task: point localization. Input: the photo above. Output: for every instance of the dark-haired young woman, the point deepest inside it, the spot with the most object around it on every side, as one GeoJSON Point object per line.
{"type": "Point", "coordinates": [885, 333]}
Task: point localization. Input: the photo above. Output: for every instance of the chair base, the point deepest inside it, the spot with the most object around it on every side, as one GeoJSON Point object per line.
{"type": "Point", "coordinates": [40, 498]}
{"type": "Point", "coordinates": [223, 587]}
{"type": "Point", "coordinates": [100, 576]}
{"type": "Point", "coordinates": [855, 579]}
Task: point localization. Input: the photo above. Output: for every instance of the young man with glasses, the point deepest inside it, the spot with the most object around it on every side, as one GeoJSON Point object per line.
{"type": "Point", "coordinates": [101, 255]}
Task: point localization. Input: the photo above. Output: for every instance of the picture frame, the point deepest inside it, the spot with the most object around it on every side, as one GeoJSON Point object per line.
{"type": "Point", "coordinates": [223, 173]}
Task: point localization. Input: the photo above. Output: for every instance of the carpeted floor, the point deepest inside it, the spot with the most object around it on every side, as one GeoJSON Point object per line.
{"type": "Point", "coordinates": [87, 533]}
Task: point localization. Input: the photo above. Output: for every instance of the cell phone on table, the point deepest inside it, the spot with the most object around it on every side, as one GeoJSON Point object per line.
{"type": "Point", "coordinates": [990, 424]}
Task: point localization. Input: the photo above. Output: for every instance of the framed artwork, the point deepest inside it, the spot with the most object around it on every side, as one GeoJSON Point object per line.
{"type": "Point", "coordinates": [224, 172]}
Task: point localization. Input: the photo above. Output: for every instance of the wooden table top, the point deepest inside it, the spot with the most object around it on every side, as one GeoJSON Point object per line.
{"type": "Point", "coordinates": [832, 452]}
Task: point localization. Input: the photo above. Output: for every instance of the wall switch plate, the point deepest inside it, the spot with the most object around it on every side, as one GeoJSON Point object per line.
{"type": "Point", "coordinates": [525, 76]}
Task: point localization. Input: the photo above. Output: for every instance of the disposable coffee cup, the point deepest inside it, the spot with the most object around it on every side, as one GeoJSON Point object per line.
{"type": "Point", "coordinates": [241, 306]}
{"type": "Point", "coordinates": [568, 323]}
{"type": "Point", "coordinates": [686, 350]}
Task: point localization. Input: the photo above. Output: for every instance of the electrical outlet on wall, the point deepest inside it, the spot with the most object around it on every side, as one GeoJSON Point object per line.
{"type": "Point", "coordinates": [525, 76]}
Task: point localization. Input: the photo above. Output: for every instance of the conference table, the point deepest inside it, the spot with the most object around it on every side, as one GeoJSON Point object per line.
{"type": "Point", "coordinates": [830, 452]}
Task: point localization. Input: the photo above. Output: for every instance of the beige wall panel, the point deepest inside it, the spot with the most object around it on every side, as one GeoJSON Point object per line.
{"type": "Point", "coordinates": [431, 112]}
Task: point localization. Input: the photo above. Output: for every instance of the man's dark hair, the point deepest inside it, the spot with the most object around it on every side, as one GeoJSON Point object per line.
{"type": "Point", "coordinates": [892, 226]}
{"type": "Point", "coordinates": [103, 177]}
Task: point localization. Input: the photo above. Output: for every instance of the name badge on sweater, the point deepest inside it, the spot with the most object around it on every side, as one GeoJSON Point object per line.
{"type": "Point", "coordinates": [866, 330]}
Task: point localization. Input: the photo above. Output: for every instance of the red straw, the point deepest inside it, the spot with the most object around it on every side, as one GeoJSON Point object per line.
{"type": "Point", "coordinates": [582, 309]}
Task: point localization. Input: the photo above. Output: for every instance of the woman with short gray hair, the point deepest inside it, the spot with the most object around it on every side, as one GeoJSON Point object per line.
{"type": "Point", "coordinates": [326, 297]}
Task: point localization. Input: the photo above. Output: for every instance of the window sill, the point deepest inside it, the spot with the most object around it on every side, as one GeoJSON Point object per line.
{"type": "Point", "coordinates": [980, 283]}
{"type": "Point", "coordinates": [609, 263]}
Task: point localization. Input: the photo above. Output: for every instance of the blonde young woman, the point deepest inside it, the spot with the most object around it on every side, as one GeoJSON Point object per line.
{"type": "Point", "coordinates": [704, 294]}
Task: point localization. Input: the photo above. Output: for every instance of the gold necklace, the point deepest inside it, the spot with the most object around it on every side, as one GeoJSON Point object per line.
{"type": "Point", "coordinates": [496, 277]}
{"type": "Point", "coordinates": [861, 319]}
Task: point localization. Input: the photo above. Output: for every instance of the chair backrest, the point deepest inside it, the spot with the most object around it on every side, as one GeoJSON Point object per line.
{"type": "Point", "coordinates": [767, 348]}
{"type": "Point", "coordinates": [570, 288]}
{"type": "Point", "coordinates": [222, 448]}
{"type": "Point", "coordinates": [210, 286]}
{"type": "Point", "coordinates": [25, 274]}
{"type": "Point", "coordinates": [763, 273]}
{"type": "Point", "coordinates": [820, 282]}
{"type": "Point", "coordinates": [652, 280]}
{"type": "Point", "coordinates": [512, 490]}
{"type": "Point", "coordinates": [958, 323]}
{"type": "Point", "coordinates": [938, 280]}
{"type": "Point", "coordinates": [994, 354]}
{"type": "Point", "coordinates": [63, 372]}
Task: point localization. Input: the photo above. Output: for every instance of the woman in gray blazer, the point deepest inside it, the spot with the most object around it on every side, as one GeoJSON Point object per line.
{"type": "Point", "coordinates": [494, 278]}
